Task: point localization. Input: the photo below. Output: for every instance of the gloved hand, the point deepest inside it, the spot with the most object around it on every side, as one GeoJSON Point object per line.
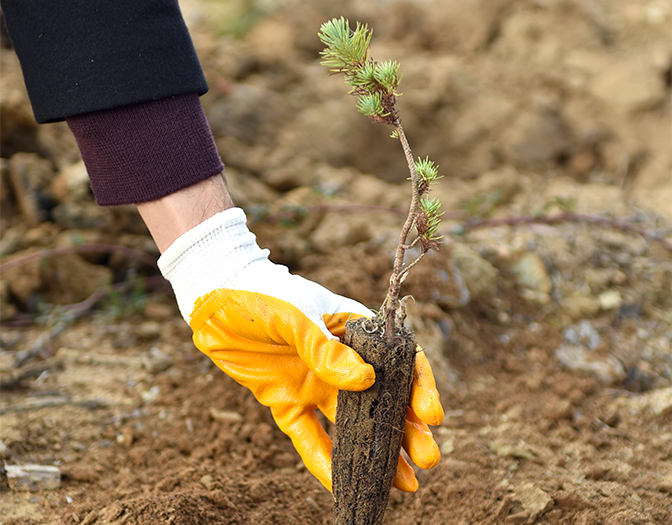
{"type": "Point", "coordinates": [277, 334]}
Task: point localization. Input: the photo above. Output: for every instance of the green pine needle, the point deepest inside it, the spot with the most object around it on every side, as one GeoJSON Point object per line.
{"type": "Point", "coordinates": [346, 49]}
{"type": "Point", "coordinates": [431, 207]}
{"type": "Point", "coordinates": [371, 105]}
{"type": "Point", "coordinates": [363, 77]}
{"type": "Point", "coordinates": [428, 171]}
{"type": "Point", "coordinates": [387, 75]}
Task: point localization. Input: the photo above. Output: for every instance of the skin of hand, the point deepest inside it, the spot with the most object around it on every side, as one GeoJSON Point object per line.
{"type": "Point", "coordinates": [293, 385]}
{"type": "Point", "coordinates": [173, 215]}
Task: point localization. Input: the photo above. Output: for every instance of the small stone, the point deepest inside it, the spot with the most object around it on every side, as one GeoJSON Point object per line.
{"type": "Point", "coordinates": [504, 449]}
{"type": "Point", "coordinates": [33, 477]}
{"type": "Point", "coordinates": [220, 499]}
{"type": "Point", "coordinates": [480, 277]}
{"type": "Point", "coordinates": [29, 174]}
{"type": "Point", "coordinates": [657, 402]}
{"type": "Point", "coordinates": [448, 446]}
{"type": "Point", "coordinates": [560, 409]}
{"type": "Point", "coordinates": [84, 472]}
{"type": "Point", "coordinates": [336, 231]}
{"type": "Point", "coordinates": [583, 334]}
{"type": "Point", "coordinates": [23, 280]}
{"type": "Point", "coordinates": [207, 481]}
{"type": "Point", "coordinates": [126, 436]}
{"type": "Point", "coordinates": [579, 306]}
{"type": "Point", "coordinates": [534, 500]}
{"type": "Point", "coordinates": [535, 296]}
{"type": "Point", "coordinates": [607, 369]}
{"type": "Point", "coordinates": [225, 415]}
{"type": "Point", "coordinates": [537, 138]}
{"type": "Point", "coordinates": [610, 300]}
{"type": "Point", "coordinates": [530, 272]}
{"type": "Point", "coordinates": [149, 396]}
{"type": "Point", "coordinates": [298, 172]}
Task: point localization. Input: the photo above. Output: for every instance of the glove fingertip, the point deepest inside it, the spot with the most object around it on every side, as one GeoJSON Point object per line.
{"type": "Point", "coordinates": [405, 479]}
{"type": "Point", "coordinates": [424, 395]}
{"type": "Point", "coordinates": [432, 414]}
{"type": "Point", "coordinates": [345, 369]}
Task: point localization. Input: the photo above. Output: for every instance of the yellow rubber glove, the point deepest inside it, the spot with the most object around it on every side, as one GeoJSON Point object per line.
{"type": "Point", "coordinates": [277, 334]}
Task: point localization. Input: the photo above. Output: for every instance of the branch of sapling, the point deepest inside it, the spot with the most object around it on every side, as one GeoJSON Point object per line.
{"type": "Point", "coordinates": [376, 83]}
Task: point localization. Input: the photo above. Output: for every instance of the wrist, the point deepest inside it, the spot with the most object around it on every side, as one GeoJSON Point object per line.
{"type": "Point", "coordinates": [172, 216]}
{"type": "Point", "coordinates": [209, 256]}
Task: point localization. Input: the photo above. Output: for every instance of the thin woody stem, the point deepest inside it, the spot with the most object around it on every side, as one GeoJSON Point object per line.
{"type": "Point", "coordinates": [407, 268]}
{"type": "Point", "coordinates": [413, 243]}
{"type": "Point", "coordinates": [391, 302]}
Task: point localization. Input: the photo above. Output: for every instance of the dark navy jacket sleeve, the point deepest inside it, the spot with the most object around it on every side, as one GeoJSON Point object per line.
{"type": "Point", "coordinates": [83, 56]}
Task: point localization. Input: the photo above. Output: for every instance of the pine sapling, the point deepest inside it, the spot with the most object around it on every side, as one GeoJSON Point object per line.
{"type": "Point", "coordinates": [369, 425]}
{"type": "Point", "coordinates": [375, 84]}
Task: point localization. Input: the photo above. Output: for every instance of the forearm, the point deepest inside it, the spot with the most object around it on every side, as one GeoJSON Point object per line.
{"type": "Point", "coordinates": [175, 214]}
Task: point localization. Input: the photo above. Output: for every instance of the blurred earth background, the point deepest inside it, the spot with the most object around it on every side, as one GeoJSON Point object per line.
{"type": "Point", "coordinates": [551, 343]}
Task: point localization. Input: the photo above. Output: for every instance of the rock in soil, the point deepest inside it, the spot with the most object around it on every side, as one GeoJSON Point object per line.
{"type": "Point", "coordinates": [33, 477]}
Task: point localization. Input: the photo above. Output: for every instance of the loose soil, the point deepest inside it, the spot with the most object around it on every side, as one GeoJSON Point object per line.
{"type": "Point", "coordinates": [551, 345]}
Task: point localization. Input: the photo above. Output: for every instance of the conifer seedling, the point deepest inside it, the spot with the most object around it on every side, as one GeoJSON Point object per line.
{"type": "Point", "coordinates": [369, 424]}
{"type": "Point", "coordinates": [375, 84]}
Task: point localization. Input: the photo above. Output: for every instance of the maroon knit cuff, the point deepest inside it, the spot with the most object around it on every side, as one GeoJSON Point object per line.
{"type": "Point", "coordinates": [145, 151]}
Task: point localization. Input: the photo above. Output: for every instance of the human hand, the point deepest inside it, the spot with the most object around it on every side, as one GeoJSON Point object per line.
{"type": "Point", "coordinates": [277, 334]}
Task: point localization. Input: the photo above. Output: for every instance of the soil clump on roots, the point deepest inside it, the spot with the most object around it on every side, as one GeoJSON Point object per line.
{"type": "Point", "coordinates": [370, 424]}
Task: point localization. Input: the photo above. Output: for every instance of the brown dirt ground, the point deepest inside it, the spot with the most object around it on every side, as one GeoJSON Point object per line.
{"type": "Point", "coordinates": [555, 369]}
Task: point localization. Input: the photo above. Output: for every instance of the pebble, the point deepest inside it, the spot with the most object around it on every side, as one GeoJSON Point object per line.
{"type": "Point", "coordinates": [151, 395]}
{"type": "Point", "coordinates": [610, 300]}
{"type": "Point", "coordinates": [448, 446]}
{"type": "Point", "coordinates": [582, 333]}
{"type": "Point", "coordinates": [207, 481]}
{"type": "Point", "coordinates": [504, 449]}
{"type": "Point", "coordinates": [480, 277]}
{"type": "Point", "coordinates": [225, 415]}
{"type": "Point", "coordinates": [578, 306]}
{"type": "Point", "coordinates": [530, 272]}
{"type": "Point", "coordinates": [657, 402]}
{"type": "Point", "coordinates": [533, 499]}
{"type": "Point", "coordinates": [607, 369]}
{"type": "Point", "coordinates": [33, 477]}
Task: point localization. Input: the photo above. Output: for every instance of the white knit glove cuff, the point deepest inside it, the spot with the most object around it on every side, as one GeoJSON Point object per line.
{"type": "Point", "coordinates": [208, 257]}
